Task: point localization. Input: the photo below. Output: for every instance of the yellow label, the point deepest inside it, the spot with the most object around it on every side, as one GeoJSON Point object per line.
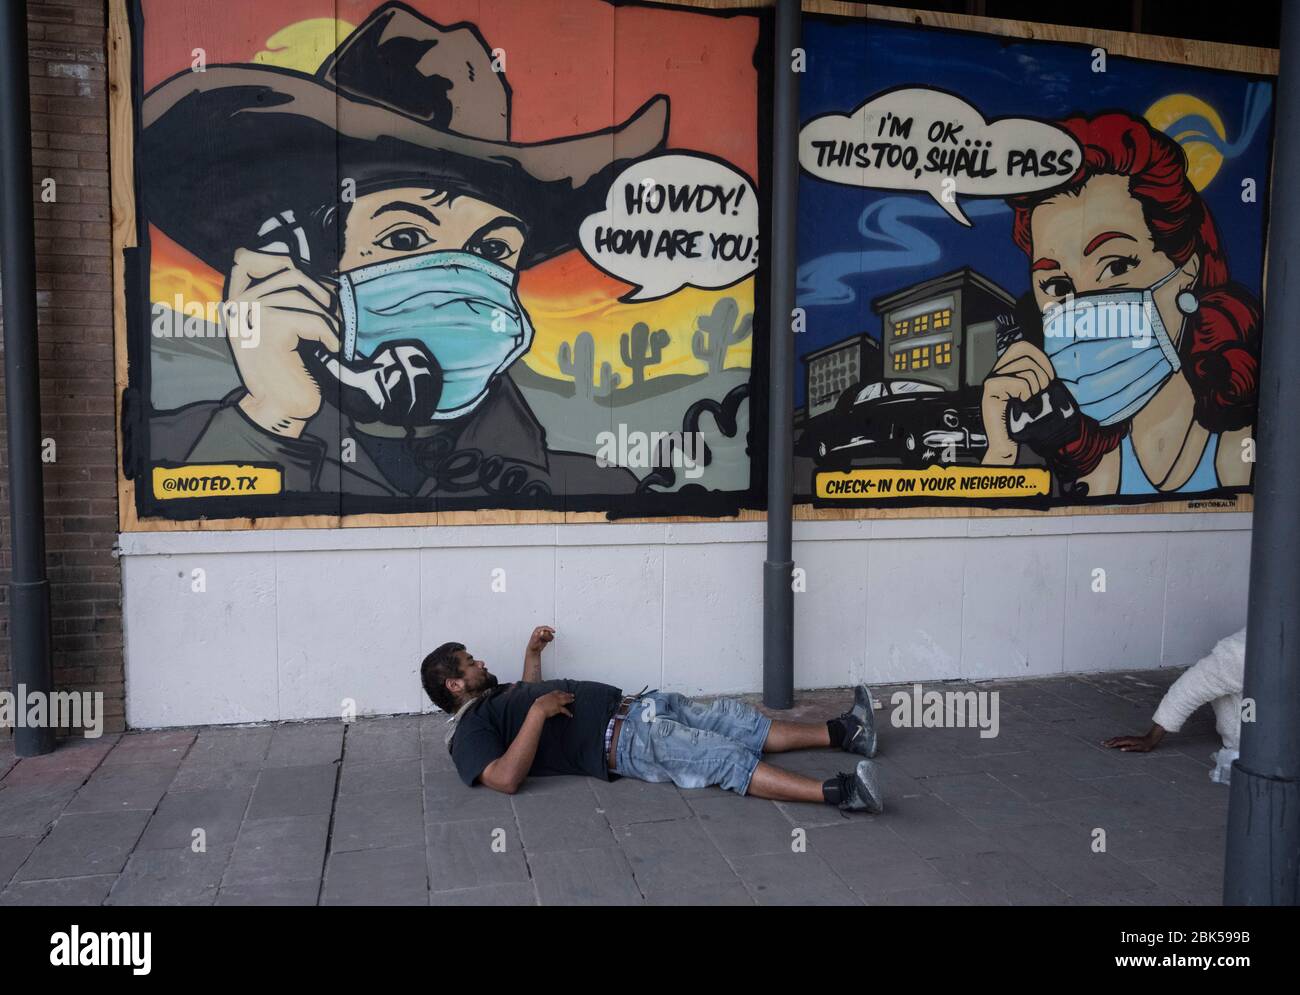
{"type": "Point", "coordinates": [939, 482]}
{"type": "Point", "coordinates": [205, 480]}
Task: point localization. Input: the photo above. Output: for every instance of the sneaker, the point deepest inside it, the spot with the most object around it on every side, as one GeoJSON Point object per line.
{"type": "Point", "coordinates": [860, 724]}
{"type": "Point", "coordinates": [860, 791]}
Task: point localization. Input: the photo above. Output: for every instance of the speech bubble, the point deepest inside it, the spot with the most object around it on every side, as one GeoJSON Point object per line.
{"type": "Point", "coordinates": [674, 221]}
{"type": "Point", "coordinates": [928, 140]}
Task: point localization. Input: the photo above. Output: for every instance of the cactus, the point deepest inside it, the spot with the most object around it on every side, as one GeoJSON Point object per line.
{"type": "Point", "coordinates": [718, 332]}
{"type": "Point", "coordinates": [640, 349]}
{"type": "Point", "coordinates": [579, 362]}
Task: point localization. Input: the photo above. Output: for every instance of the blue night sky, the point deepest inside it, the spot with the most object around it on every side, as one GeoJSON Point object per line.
{"type": "Point", "coordinates": [841, 270]}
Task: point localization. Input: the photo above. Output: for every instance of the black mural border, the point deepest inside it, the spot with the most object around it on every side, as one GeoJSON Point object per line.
{"type": "Point", "coordinates": [136, 404]}
{"type": "Point", "coordinates": [1055, 502]}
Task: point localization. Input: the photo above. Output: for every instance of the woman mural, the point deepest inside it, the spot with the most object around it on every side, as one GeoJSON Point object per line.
{"type": "Point", "coordinates": [1167, 400]}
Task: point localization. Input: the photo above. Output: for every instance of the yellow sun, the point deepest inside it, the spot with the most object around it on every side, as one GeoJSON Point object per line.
{"type": "Point", "coordinates": [304, 44]}
{"type": "Point", "coordinates": [1203, 159]}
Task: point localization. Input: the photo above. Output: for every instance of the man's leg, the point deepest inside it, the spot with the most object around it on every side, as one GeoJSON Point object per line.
{"type": "Point", "coordinates": [785, 736]}
{"type": "Point", "coordinates": [652, 747]}
{"type": "Point", "coordinates": [753, 730]}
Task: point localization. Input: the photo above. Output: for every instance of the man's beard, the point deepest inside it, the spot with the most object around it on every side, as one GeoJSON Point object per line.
{"type": "Point", "coordinates": [489, 682]}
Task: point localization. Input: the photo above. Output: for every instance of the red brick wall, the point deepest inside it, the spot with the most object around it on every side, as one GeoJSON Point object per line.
{"type": "Point", "coordinates": [66, 41]}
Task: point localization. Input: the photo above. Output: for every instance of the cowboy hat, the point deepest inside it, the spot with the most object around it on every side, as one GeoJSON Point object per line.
{"type": "Point", "coordinates": [401, 99]}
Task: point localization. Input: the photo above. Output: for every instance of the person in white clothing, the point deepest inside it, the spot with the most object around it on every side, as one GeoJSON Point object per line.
{"type": "Point", "coordinates": [1215, 679]}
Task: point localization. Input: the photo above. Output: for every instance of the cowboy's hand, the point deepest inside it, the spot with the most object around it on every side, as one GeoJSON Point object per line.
{"type": "Point", "coordinates": [291, 308]}
{"type": "Point", "coordinates": [542, 635]}
{"type": "Point", "coordinates": [554, 703]}
{"type": "Point", "coordinates": [1020, 372]}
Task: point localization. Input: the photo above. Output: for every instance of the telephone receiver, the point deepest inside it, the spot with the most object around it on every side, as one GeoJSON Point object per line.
{"type": "Point", "coordinates": [399, 384]}
{"type": "Point", "coordinates": [1046, 421]}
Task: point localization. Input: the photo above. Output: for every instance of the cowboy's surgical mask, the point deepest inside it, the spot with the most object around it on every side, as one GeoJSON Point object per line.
{"type": "Point", "coordinates": [461, 307]}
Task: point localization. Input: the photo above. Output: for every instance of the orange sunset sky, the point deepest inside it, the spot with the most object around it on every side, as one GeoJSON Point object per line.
{"type": "Point", "coordinates": [574, 66]}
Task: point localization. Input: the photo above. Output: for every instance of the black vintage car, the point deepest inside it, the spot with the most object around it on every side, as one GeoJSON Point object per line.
{"type": "Point", "coordinates": [896, 422]}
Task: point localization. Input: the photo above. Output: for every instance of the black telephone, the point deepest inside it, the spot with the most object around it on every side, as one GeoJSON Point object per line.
{"type": "Point", "coordinates": [400, 384]}
{"type": "Point", "coordinates": [1049, 418]}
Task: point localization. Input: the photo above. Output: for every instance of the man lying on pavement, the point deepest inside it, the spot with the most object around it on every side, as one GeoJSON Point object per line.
{"type": "Point", "coordinates": [501, 734]}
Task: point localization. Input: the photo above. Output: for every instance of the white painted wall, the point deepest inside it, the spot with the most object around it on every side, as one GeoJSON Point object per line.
{"type": "Point", "coordinates": [292, 622]}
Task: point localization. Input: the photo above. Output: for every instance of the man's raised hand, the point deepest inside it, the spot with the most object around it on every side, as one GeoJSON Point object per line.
{"type": "Point", "coordinates": [542, 635]}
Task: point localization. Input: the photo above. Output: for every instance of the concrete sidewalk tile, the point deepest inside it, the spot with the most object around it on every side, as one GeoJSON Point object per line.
{"type": "Point", "coordinates": [215, 777]}
{"type": "Point", "coordinates": [668, 857]}
{"type": "Point", "coordinates": [475, 854]}
{"type": "Point", "coordinates": [560, 816]}
{"type": "Point", "coordinates": [933, 828]}
{"type": "Point", "coordinates": [305, 744]}
{"type": "Point", "coordinates": [364, 778]}
{"type": "Point", "coordinates": [740, 827]}
{"type": "Point", "coordinates": [1066, 857]}
{"type": "Point", "coordinates": [380, 876]}
{"type": "Point", "coordinates": [446, 799]}
{"type": "Point", "coordinates": [998, 878]}
{"type": "Point", "coordinates": [793, 879]}
{"type": "Point", "coordinates": [984, 800]}
{"type": "Point", "coordinates": [31, 809]}
{"type": "Point", "coordinates": [496, 895]}
{"type": "Point", "coordinates": [728, 894]}
{"type": "Point", "coordinates": [628, 800]}
{"type": "Point", "coordinates": [871, 859]}
{"type": "Point", "coordinates": [166, 747]}
{"type": "Point", "coordinates": [89, 890]}
{"type": "Point", "coordinates": [286, 791]}
{"type": "Point", "coordinates": [385, 820]}
{"type": "Point", "coordinates": [282, 849]}
{"type": "Point", "coordinates": [1197, 876]}
{"type": "Point", "coordinates": [218, 812]}
{"type": "Point", "coordinates": [170, 877]}
{"type": "Point", "coordinates": [71, 757]}
{"type": "Point", "coordinates": [125, 786]}
{"type": "Point", "coordinates": [231, 745]}
{"type": "Point", "coordinates": [371, 740]}
{"type": "Point", "coordinates": [280, 891]}
{"type": "Point", "coordinates": [941, 894]}
{"type": "Point", "coordinates": [84, 845]}
{"type": "Point", "coordinates": [13, 851]}
{"type": "Point", "coordinates": [584, 877]}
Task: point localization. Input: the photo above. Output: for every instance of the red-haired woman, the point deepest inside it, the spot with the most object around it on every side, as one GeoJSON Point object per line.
{"type": "Point", "coordinates": [1167, 409]}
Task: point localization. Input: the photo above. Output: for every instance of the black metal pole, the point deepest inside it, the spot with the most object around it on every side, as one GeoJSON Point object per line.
{"type": "Point", "coordinates": [29, 591]}
{"type": "Point", "coordinates": [1263, 851]}
{"type": "Point", "coordinates": [778, 595]}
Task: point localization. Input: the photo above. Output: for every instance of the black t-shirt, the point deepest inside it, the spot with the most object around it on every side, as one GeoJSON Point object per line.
{"type": "Point", "coordinates": [567, 745]}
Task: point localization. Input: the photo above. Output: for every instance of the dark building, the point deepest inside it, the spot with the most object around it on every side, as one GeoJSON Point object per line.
{"type": "Point", "coordinates": [833, 370]}
{"type": "Point", "coordinates": [942, 331]}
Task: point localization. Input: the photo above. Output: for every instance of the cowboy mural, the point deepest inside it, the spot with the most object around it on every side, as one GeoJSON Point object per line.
{"type": "Point", "coordinates": [378, 214]}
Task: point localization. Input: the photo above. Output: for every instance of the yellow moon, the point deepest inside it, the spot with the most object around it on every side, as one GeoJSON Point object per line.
{"type": "Point", "coordinates": [1203, 159]}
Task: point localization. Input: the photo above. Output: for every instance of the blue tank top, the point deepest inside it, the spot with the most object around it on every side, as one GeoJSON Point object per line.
{"type": "Point", "coordinates": [1133, 479]}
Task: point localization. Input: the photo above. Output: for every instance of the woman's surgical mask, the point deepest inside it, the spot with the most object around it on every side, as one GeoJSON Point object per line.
{"type": "Point", "coordinates": [1111, 349]}
{"type": "Point", "coordinates": [461, 307]}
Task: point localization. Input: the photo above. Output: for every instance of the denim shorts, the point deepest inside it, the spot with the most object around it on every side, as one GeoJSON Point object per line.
{"type": "Point", "coordinates": [669, 737]}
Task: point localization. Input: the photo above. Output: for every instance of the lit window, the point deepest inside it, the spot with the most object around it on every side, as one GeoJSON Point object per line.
{"type": "Point", "coordinates": [943, 354]}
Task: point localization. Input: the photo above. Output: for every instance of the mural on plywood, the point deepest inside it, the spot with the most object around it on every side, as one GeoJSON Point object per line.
{"type": "Point", "coordinates": [443, 256]}
{"type": "Point", "coordinates": [1030, 272]}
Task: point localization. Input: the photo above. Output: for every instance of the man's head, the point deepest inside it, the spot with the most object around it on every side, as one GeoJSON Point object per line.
{"type": "Point", "coordinates": [451, 675]}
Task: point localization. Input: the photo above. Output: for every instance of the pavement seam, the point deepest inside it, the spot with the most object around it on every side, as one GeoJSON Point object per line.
{"type": "Point", "coordinates": [334, 803]}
